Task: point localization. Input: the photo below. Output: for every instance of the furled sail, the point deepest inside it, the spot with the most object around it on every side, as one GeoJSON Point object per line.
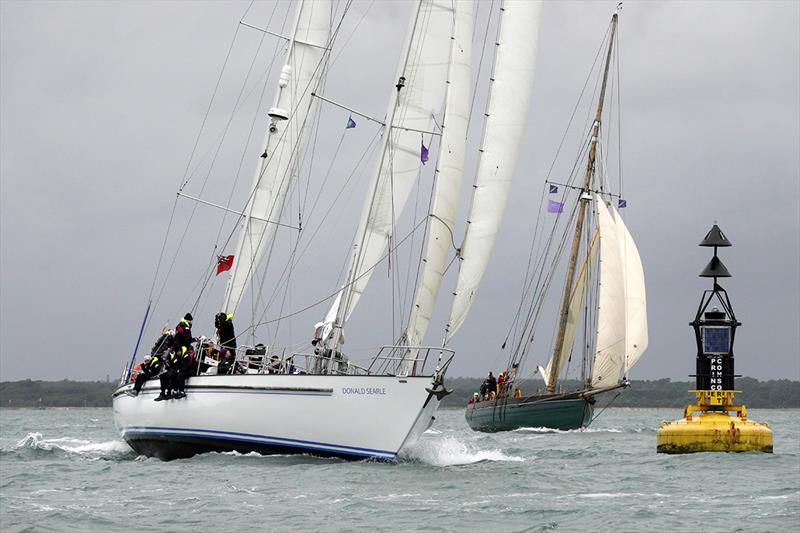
{"type": "Point", "coordinates": [306, 60]}
{"type": "Point", "coordinates": [576, 306]}
{"type": "Point", "coordinates": [449, 171]}
{"type": "Point", "coordinates": [507, 114]}
{"type": "Point", "coordinates": [621, 315]}
{"type": "Point", "coordinates": [421, 89]}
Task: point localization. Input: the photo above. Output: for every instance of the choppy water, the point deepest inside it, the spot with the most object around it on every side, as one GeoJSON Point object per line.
{"type": "Point", "coordinates": [67, 470]}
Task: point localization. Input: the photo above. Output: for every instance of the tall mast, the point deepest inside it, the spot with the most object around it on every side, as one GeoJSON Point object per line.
{"type": "Point", "coordinates": [584, 199]}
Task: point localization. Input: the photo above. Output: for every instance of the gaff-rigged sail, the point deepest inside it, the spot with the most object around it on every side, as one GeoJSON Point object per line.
{"type": "Point", "coordinates": [622, 313]}
{"type": "Point", "coordinates": [419, 95]}
{"type": "Point", "coordinates": [576, 306]}
{"type": "Point", "coordinates": [449, 172]}
{"type": "Point", "coordinates": [506, 117]}
{"type": "Point", "coordinates": [306, 59]}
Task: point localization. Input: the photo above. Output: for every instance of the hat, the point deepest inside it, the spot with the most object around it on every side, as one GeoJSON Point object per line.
{"type": "Point", "coordinates": [188, 316]}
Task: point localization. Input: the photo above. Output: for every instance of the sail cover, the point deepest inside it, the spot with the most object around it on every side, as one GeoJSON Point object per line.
{"type": "Point", "coordinates": [507, 114]}
{"type": "Point", "coordinates": [449, 171]}
{"type": "Point", "coordinates": [621, 315]}
{"type": "Point", "coordinates": [424, 67]}
{"type": "Point", "coordinates": [306, 59]}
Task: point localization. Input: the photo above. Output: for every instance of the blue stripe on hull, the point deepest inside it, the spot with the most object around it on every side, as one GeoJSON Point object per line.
{"type": "Point", "coordinates": [210, 440]}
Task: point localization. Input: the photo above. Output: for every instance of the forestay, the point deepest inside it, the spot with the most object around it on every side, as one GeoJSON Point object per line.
{"type": "Point", "coordinates": [507, 114]}
{"type": "Point", "coordinates": [306, 60]}
{"type": "Point", "coordinates": [449, 172]}
{"type": "Point", "coordinates": [423, 67]}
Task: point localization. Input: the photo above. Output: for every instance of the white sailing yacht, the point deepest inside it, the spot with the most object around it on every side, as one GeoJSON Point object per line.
{"type": "Point", "coordinates": [328, 405]}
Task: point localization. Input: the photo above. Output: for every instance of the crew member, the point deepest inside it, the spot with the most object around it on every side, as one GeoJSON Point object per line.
{"type": "Point", "coordinates": [171, 367]}
{"type": "Point", "coordinates": [183, 333]}
{"type": "Point", "coordinates": [224, 324]}
{"type": "Point", "coordinates": [150, 368]}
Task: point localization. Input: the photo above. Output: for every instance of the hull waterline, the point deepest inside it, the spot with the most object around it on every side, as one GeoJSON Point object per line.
{"type": "Point", "coordinates": [352, 417]}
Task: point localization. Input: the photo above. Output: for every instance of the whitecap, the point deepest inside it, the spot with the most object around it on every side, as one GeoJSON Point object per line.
{"type": "Point", "coordinates": [552, 430]}
{"type": "Point", "coordinates": [36, 441]}
{"type": "Point", "coordinates": [450, 451]}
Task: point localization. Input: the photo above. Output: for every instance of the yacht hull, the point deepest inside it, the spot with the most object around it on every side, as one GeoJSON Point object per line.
{"type": "Point", "coordinates": [533, 411]}
{"type": "Point", "coordinates": [352, 417]}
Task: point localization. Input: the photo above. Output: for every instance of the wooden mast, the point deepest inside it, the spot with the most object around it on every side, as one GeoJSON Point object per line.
{"type": "Point", "coordinates": [576, 240]}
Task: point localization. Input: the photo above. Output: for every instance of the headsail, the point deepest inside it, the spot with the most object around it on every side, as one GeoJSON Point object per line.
{"type": "Point", "coordinates": [622, 313]}
{"type": "Point", "coordinates": [449, 171]}
{"type": "Point", "coordinates": [636, 337]}
{"type": "Point", "coordinates": [306, 59]}
{"type": "Point", "coordinates": [420, 93]}
{"type": "Point", "coordinates": [507, 115]}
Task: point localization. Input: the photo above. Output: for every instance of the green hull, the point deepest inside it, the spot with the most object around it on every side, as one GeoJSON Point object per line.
{"type": "Point", "coordinates": [571, 413]}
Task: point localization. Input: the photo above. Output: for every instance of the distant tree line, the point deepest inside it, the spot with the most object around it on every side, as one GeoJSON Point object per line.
{"type": "Point", "coordinates": [775, 393]}
{"type": "Point", "coordinates": [780, 393]}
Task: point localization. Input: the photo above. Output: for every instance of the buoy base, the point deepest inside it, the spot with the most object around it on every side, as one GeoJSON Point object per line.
{"type": "Point", "coordinates": [714, 431]}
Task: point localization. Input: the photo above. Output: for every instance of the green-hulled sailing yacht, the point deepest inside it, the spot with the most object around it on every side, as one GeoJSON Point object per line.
{"type": "Point", "coordinates": [603, 300]}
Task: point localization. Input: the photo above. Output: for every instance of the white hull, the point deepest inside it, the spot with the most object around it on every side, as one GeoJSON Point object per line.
{"type": "Point", "coordinates": [331, 415]}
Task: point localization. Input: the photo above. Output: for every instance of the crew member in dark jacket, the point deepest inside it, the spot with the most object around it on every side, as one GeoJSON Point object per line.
{"type": "Point", "coordinates": [150, 368]}
{"type": "Point", "coordinates": [227, 341]}
{"type": "Point", "coordinates": [183, 333]}
{"type": "Point", "coordinates": [182, 370]}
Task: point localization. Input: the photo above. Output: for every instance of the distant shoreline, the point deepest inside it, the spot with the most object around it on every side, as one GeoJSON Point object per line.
{"type": "Point", "coordinates": [663, 393]}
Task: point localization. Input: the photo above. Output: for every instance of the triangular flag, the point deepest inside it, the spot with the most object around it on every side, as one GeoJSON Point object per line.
{"type": "Point", "coordinates": [224, 262]}
{"type": "Point", "coordinates": [423, 155]}
{"type": "Point", "coordinates": [350, 123]}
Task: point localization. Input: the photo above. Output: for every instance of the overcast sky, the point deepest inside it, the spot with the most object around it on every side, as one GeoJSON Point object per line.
{"type": "Point", "coordinates": [100, 104]}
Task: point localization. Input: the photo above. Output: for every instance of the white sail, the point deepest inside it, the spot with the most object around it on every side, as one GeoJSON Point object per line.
{"type": "Point", "coordinates": [635, 298]}
{"type": "Point", "coordinates": [449, 171]}
{"type": "Point", "coordinates": [576, 306]}
{"type": "Point", "coordinates": [424, 68]}
{"type": "Point", "coordinates": [611, 302]}
{"type": "Point", "coordinates": [507, 114]}
{"type": "Point", "coordinates": [302, 73]}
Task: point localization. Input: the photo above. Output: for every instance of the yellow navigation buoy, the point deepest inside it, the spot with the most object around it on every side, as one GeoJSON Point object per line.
{"type": "Point", "coordinates": [723, 429]}
{"type": "Point", "coordinates": [714, 423]}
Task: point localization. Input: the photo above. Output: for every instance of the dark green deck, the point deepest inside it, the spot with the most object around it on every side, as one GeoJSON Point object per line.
{"type": "Point", "coordinates": [568, 413]}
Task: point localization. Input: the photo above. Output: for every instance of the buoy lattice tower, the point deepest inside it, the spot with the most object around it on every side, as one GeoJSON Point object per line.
{"type": "Point", "coordinates": [714, 422]}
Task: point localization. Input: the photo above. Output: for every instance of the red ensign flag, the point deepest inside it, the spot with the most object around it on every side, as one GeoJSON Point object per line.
{"type": "Point", "coordinates": [224, 262]}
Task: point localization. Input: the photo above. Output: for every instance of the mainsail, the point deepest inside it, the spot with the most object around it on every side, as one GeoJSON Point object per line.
{"type": "Point", "coordinates": [306, 59]}
{"type": "Point", "coordinates": [506, 117]}
{"type": "Point", "coordinates": [420, 93]}
{"type": "Point", "coordinates": [449, 171]}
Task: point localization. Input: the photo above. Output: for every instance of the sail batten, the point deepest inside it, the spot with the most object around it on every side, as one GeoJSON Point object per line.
{"type": "Point", "coordinates": [511, 82]}
{"type": "Point", "coordinates": [302, 73]}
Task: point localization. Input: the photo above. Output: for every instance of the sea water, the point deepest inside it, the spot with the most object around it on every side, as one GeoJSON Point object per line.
{"type": "Point", "coordinates": [67, 470]}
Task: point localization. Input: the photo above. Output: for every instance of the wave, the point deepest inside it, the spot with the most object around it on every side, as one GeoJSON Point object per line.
{"type": "Point", "coordinates": [100, 450]}
{"type": "Point", "coordinates": [581, 430]}
{"type": "Point", "coordinates": [450, 451]}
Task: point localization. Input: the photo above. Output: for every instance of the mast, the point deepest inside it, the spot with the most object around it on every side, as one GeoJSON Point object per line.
{"type": "Point", "coordinates": [419, 94]}
{"type": "Point", "coordinates": [307, 56]}
{"type": "Point", "coordinates": [582, 207]}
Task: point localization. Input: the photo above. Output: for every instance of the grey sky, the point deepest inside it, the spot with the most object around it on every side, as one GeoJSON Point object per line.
{"type": "Point", "coordinates": [100, 103]}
